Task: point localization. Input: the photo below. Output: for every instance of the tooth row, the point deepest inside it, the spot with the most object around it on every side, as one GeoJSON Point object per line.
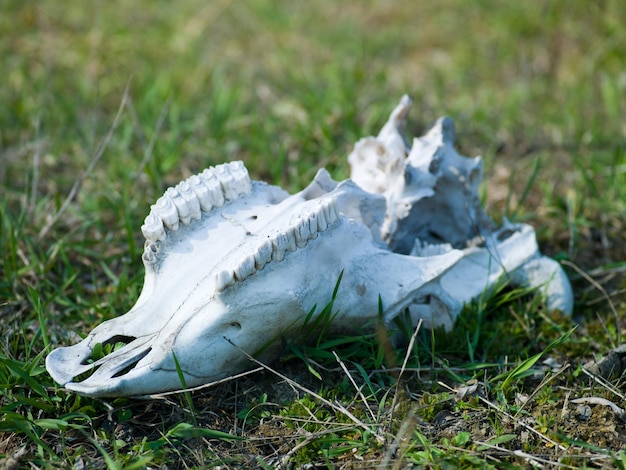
{"type": "Point", "coordinates": [200, 193]}
{"type": "Point", "coordinates": [234, 179]}
{"type": "Point", "coordinates": [305, 228]}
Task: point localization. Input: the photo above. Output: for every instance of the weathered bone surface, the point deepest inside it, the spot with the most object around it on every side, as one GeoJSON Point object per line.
{"type": "Point", "coordinates": [233, 264]}
{"type": "Point", "coordinates": [433, 206]}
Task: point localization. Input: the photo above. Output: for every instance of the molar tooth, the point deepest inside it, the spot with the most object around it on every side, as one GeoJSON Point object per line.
{"type": "Point", "coordinates": [193, 203]}
{"type": "Point", "coordinates": [148, 256]}
{"type": "Point", "coordinates": [226, 181]}
{"type": "Point", "coordinates": [278, 247]}
{"type": "Point", "coordinates": [263, 255]}
{"type": "Point", "coordinates": [166, 210]}
{"type": "Point", "coordinates": [223, 279]}
{"type": "Point", "coordinates": [245, 268]}
{"type": "Point", "coordinates": [202, 192]}
{"type": "Point", "coordinates": [291, 239]}
{"type": "Point", "coordinates": [216, 194]}
{"type": "Point", "coordinates": [322, 223]}
{"type": "Point", "coordinates": [302, 232]}
{"type": "Point", "coordinates": [313, 227]}
{"type": "Point", "coordinates": [240, 177]}
{"type": "Point", "coordinates": [152, 228]}
{"type": "Point", "coordinates": [234, 180]}
{"type": "Point", "coordinates": [184, 214]}
{"type": "Point", "coordinates": [330, 211]}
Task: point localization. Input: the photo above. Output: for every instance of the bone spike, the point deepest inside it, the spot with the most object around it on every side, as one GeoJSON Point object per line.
{"type": "Point", "coordinates": [216, 193]}
{"type": "Point", "coordinates": [193, 203]}
{"type": "Point", "coordinates": [184, 213]}
{"type": "Point", "coordinates": [152, 228]}
{"type": "Point", "coordinates": [201, 190]}
{"type": "Point", "coordinates": [263, 255]}
{"type": "Point", "coordinates": [223, 279]}
{"type": "Point", "coordinates": [166, 210]}
{"type": "Point", "coordinates": [245, 269]}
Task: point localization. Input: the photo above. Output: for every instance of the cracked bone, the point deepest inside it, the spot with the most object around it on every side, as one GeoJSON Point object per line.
{"type": "Point", "coordinates": [241, 274]}
{"type": "Point", "coordinates": [433, 206]}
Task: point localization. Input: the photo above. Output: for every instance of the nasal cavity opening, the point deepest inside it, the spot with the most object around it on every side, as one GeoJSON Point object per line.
{"type": "Point", "coordinates": [132, 365]}
{"type": "Point", "coordinates": [101, 350]}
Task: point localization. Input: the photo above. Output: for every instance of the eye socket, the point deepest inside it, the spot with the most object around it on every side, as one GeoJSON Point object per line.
{"type": "Point", "coordinates": [236, 325]}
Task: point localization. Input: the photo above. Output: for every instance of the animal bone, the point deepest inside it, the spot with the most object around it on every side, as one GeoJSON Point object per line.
{"type": "Point", "coordinates": [233, 264]}
{"type": "Point", "coordinates": [433, 206]}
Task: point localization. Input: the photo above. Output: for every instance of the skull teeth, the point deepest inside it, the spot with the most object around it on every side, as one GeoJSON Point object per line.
{"type": "Point", "coordinates": [223, 279]}
{"type": "Point", "coordinates": [216, 194]}
{"type": "Point", "coordinates": [210, 189]}
{"type": "Point", "coordinates": [184, 213]}
{"type": "Point", "coordinates": [202, 192]}
{"type": "Point", "coordinates": [185, 202]}
{"type": "Point", "coordinates": [153, 229]}
{"type": "Point", "coordinates": [234, 179]}
{"type": "Point", "coordinates": [263, 255]}
{"type": "Point", "coordinates": [191, 200]}
{"type": "Point", "coordinates": [166, 210]}
{"type": "Point", "coordinates": [302, 233]}
{"type": "Point", "coordinates": [245, 268]}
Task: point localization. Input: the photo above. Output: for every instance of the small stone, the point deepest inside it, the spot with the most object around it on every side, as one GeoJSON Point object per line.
{"type": "Point", "coordinates": [584, 412]}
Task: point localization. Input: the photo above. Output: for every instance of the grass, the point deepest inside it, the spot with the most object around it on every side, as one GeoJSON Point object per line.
{"type": "Point", "coordinates": [105, 105]}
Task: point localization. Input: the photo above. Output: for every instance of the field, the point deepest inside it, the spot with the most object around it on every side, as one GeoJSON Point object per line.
{"type": "Point", "coordinates": [103, 105]}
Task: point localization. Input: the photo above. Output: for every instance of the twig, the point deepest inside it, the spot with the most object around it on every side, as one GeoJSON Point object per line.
{"type": "Point", "coordinates": [530, 428]}
{"type": "Point", "coordinates": [594, 283]}
{"type": "Point", "coordinates": [356, 387]}
{"type": "Point", "coordinates": [404, 363]}
{"type": "Point", "coordinates": [200, 387]}
{"type": "Point", "coordinates": [600, 401]}
{"type": "Point", "coordinates": [532, 459]}
{"type": "Point", "coordinates": [543, 383]}
{"type": "Point", "coordinates": [147, 154]}
{"type": "Point", "coordinates": [79, 182]}
{"type": "Point", "coordinates": [336, 406]}
{"type": "Point", "coordinates": [604, 383]}
{"type": "Point", "coordinates": [36, 156]}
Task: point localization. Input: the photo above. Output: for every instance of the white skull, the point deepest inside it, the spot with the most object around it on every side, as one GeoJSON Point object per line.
{"type": "Point", "coordinates": [233, 264]}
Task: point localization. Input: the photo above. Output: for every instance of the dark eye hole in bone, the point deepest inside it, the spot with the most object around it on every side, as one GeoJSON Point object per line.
{"type": "Point", "coordinates": [109, 346]}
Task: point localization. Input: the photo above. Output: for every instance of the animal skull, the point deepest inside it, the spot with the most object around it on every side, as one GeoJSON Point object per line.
{"type": "Point", "coordinates": [233, 264]}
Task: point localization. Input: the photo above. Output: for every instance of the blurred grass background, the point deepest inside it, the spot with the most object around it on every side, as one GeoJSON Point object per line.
{"type": "Point", "coordinates": [288, 86]}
